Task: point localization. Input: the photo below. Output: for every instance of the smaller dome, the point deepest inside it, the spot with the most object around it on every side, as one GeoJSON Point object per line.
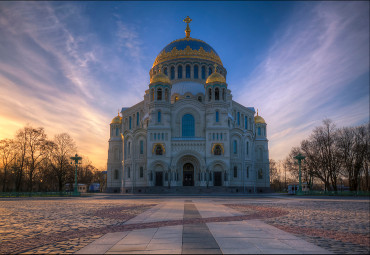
{"type": "Point", "coordinates": [216, 77]}
{"type": "Point", "coordinates": [259, 119]}
{"type": "Point", "coordinates": [160, 77]}
{"type": "Point", "coordinates": [116, 120]}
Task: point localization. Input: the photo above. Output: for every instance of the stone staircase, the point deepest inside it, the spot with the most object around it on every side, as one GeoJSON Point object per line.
{"type": "Point", "coordinates": [187, 190]}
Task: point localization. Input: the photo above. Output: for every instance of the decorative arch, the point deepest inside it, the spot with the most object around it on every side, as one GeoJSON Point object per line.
{"type": "Point", "coordinates": [221, 163]}
{"type": "Point", "coordinates": [161, 163]}
{"type": "Point", "coordinates": [186, 154]}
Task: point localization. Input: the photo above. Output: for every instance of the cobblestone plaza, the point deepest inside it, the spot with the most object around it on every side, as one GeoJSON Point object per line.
{"type": "Point", "coordinates": [67, 225]}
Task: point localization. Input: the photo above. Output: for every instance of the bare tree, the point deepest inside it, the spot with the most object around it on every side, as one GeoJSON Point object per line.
{"type": "Point", "coordinates": [38, 147]}
{"type": "Point", "coordinates": [353, 146]}
{"type": "Point", "coordinates": [7, 155]}
{"type": "Point", "coordinates": [64, 147]}
{"type": "Point", "coordinates": [20, 157]}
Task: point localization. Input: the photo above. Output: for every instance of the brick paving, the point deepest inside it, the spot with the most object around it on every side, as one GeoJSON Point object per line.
{"type": "Point", "coordinates": [338, 225]}
{"type": "Point", "coordinates": [60, 225]}
{"type": "Point", "coordinates": [65, 225]}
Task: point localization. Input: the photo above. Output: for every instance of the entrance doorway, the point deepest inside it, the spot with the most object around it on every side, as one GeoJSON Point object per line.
{"type": "Point", "coordinates": [188, 175]}
{"type": "Point", "coordinates": [158, 178]}
{"type": "Point", "coordinates": [217, 179]}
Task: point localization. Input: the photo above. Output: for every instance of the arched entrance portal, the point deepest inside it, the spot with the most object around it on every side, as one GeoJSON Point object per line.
{"type": "Point", "coordinates": [188, 175]}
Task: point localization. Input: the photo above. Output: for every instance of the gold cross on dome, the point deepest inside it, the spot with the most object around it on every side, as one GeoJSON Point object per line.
{"type": "Point", "coordinates": [187, 20]}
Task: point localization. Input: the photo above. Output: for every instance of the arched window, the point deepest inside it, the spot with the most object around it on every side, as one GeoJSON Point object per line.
{"type": "Point", "coordinates": [247, 148]}
{"type": "Point", "coordinates": [158, 150]}
{"type": "Point", "coordinates": [235, 172]}
{"type": "Point", "coordinates": [128, 172]}
{"type": "Point", "coordinates": [129, 148]}
{"type": "Point", "coordinates": [203, 72]}
{"type": "Point", "coordinates": [246, 122]}
{"type": "Point", "coordinates": [159, 94]}
{"type": "Point", "coordinates": [159, 117]}
{"type": "Point", "coordinates": [217, 150]}
{"type": "Point", "coordinates": [217, 94]}
{"type": "Point", "coordinates": [172, 72]}
{"type": "Point", "coordinates": [188, 125]}
{"type": "Point", "coordinates": [116, 174]}
{"type": "Point", "coordinates": [223, 94]}
{"type": "Point", "coordinates": [166, 94]}
{"type": "Point", "coordinates": [179, 72]}
{"type": "Point", "coordinates": [217, 116]}
{"type": "Point", "coordinates": [165, 71]}
{"type": "Point", "coordinates": [187, 69]}
{"type": "Point", "coordinates": [117, 131]}
{"type": "Point", "coordinates": [209, 94]}
{"type": "Point", "coordinates": [137, 119]}
{"type": "Point", "coordinates": [141, 147]}
{"type": "Point", "coordinates": [152, 95]}
{"type": "Point", "coordinates": [238, 118]}
{"type": "Point", "coordinates": [264, 131]}
{"type": "Point", "coordinates": [247, 171]}
{"type": "Point", "coordinates": [235, 147]}
{"type": "Point", "coordinates": [259, 130]}
{"type": "Point", "coordinates": [196, 72]}
{"type": "Point", "coordinates": [130, 122]}
{"type": "Point", "coordinates": [209, 71]}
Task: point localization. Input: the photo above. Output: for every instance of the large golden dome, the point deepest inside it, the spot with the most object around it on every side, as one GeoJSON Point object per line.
{"type": "Point", "coordinates": [187, 48]}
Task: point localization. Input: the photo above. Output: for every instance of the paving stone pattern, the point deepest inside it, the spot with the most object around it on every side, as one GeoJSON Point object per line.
{"type": "Point", "coordinates": [196, 238]}
{"type": "Point", "coordinates": [65, 225]}
{"type": "Point", "coordinates": [59, 224]}
{"type": "Point", "coordinates": [338, 225]}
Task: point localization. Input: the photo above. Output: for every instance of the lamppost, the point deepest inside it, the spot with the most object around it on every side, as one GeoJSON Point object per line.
{"type": "Point", "coordinates": [76, 158]}
{"type": "Point", "coordinates": [300, 157]}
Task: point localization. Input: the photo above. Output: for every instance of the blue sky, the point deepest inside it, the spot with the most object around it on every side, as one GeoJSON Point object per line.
{"type": "Point", "coordinates": [68, 66]}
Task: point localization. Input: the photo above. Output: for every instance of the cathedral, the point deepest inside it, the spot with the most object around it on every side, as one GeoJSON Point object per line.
{"type": "Point", "coordinates": [188, 131]}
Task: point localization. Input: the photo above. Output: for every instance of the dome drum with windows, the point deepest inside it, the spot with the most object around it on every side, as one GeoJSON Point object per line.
{"type": "Point", "coordinates": [187, 58]}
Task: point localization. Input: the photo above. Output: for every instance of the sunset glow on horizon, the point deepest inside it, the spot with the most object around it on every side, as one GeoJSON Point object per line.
{"type": "Point", "coordinates": [68, 66]}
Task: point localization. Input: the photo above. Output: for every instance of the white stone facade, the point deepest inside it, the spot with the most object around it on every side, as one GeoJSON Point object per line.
{"type": "Point", "coordinates": [188, 132]}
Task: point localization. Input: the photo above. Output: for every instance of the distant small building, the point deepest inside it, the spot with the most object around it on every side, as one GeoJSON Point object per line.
{"type": "Point", "coordinates": [94, 187]}
{"type": "Point", "coordinates": [293, 187]}
{"type": "Point", "coordinates": [82, 188]}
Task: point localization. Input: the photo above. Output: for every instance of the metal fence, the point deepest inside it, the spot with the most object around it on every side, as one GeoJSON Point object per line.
{"type": "Point", "coordinates": [38, 194]}
{"type": "Point", "coordinates": [336, 193]}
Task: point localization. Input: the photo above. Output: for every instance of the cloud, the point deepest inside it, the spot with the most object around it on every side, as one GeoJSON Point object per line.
{"type": "Point", "coordinates": [46, 77]}
{"type": "Point", "coordinates": [316, 56]}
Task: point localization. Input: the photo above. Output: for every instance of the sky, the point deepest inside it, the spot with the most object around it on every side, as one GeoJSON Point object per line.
{"type": "Point", "coordinates": [69, 66]}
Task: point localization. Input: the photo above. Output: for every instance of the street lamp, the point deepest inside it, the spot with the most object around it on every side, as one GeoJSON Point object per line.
{"type": "Point", "coordinates": [76, 158]}
{"type": "Point", "coordinates": [300, 157]}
